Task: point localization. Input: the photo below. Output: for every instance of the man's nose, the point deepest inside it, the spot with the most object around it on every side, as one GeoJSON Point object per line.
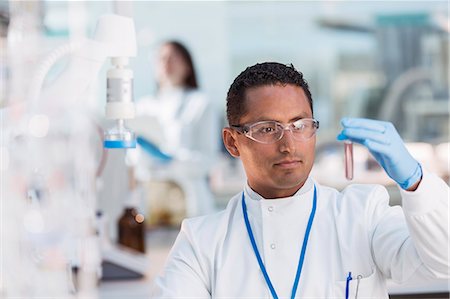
{"type": "Point", "coordinates": [287, 142]}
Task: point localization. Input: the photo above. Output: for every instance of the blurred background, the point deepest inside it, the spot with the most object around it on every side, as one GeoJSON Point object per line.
{"type": "Point", "coordinates": [65, 198]}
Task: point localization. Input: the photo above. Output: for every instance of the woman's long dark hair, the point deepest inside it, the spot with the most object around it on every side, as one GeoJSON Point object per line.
{"type": "Point", "coordinates": [191, 79]}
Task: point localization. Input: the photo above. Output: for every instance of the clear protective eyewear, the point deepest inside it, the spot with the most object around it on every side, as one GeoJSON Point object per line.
{"type": "Point", "coordinates": [271, 131]}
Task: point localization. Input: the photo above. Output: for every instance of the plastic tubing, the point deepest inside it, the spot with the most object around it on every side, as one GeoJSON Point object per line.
{"type": "Point", "coordinates": [45, 66]}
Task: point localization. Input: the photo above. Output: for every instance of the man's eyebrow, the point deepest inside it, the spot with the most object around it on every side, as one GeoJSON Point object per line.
{"type": "Point", "coordinates": [302, 115]}
{"type": "Point", "coordinates": [264, 118]}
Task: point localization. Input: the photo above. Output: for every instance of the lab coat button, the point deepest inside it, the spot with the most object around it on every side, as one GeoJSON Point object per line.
{"type": "Point", "coordinates": [272, 246]}
{"type": "Point", "coordinates": [270, 209]}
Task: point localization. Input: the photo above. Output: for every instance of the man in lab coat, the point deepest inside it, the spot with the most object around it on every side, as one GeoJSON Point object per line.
{"type": "Point", "coordinates": [287, 236]}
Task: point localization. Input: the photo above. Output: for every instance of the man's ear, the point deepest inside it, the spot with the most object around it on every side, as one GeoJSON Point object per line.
{"type": "Point", "coordinates": [229, 140]}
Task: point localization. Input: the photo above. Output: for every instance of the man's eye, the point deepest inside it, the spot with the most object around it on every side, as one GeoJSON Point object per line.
{"type": "Point", "coordinates": [266, 130]}
{"type": "Point", "coordinates": [300, 126]}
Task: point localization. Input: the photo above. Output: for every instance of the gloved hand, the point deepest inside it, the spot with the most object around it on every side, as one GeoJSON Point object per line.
{"type": "Point", "coordinates": [386, 145]}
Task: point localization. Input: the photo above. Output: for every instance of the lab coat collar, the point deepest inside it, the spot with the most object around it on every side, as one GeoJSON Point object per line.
{"type": "Point", "coordinates": [250, 193]}
{"type": "Point", "coordinates": [170, 95]}
{"type": "Point", "coordinates": [172, 91]}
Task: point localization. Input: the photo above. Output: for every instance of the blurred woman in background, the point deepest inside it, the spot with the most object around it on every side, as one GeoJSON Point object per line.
{"type": "Point", "coordinates": [184, 128]}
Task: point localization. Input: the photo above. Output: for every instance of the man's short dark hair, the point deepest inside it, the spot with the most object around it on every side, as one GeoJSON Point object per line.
{"type": "Point", "coordinates": [267, 73]}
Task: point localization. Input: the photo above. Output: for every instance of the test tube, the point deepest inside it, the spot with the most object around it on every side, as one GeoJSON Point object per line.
{"type": "Point", "coordinates": [348, 151]}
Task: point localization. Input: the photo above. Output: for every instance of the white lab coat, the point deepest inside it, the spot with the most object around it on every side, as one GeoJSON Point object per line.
{"type": "Point", "coordinates": [188, 122]}
{"type": "Point", "coordinates": [353, 230]}
{"type": "Point", "coordinates": [189, 129]}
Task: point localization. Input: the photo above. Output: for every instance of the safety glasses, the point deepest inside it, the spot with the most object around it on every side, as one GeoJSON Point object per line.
{"type": "Point", "coordinates": [271, 131]}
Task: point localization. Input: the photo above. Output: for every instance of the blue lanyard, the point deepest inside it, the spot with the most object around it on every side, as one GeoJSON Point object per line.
{"type": "Point", "coordinates": [302, 253]}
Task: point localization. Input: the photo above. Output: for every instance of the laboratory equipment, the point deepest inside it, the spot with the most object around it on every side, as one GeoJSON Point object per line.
{"type": "Point", "coordinates": [132, 229]}
{"type": "Point", "coordinates": [392, 156]}
{"type": "Point", "coordinates": [115, 38]}
{"type": "Point", "coordinates": [131, 225]}
{"type": "Point", "coordinates": [125, 260]}
{"type": "Point", "coordinates": [120, 105]}
{"type": "Point", "coordinates": [121, 35]}
{"type": "Point", "coordinates": [348, 151]}
{"type": "Point", "coordinates": [51, 157]}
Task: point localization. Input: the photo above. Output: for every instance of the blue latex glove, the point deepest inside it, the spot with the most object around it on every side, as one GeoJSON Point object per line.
{"type": "Point", "coordinates": [386, 145]}
{"type": "Point", "coordinates": [153, 150]}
